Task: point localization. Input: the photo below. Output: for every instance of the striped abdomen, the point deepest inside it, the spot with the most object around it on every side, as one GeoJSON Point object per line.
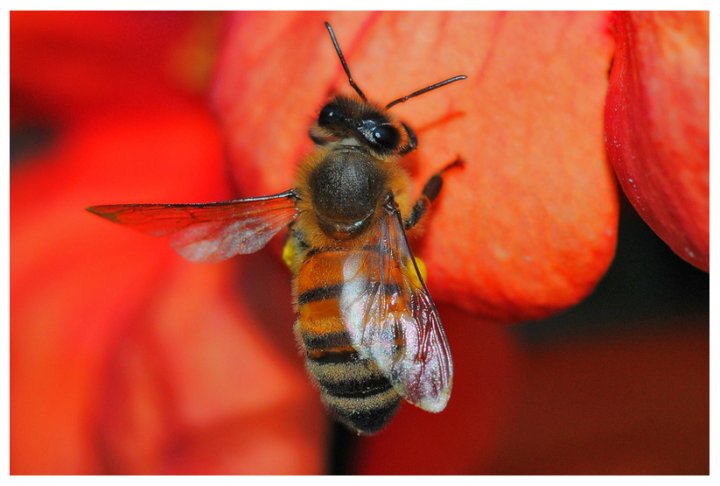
{"type": "Point", "coordinates": [354, 389]}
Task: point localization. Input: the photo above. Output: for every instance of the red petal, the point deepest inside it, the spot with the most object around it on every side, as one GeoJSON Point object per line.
{"type": "Point", "coordinates": [657, 124]}
{"type": "Point", "coordinates": [529, 226]}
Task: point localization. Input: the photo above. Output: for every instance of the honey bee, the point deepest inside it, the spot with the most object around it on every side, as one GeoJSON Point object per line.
{"type": "Point", "coordinates": [365, 320]}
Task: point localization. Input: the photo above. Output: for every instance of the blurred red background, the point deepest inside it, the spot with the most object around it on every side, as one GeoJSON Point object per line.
{"type": "Point", "coordinates": [126, 359]}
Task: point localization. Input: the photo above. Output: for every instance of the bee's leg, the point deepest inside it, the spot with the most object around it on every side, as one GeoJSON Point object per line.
{"type": "Point", "coordinates": [429, 194]}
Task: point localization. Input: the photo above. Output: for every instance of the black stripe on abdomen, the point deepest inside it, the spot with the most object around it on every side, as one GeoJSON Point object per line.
{"type": "Point", "coordinates": [320, 293]}
{"type": "Point", "coordinates": [325, 341]}
{"type": "Point", "coordinates": [326, 292]}
{"type": "Point", "coordinates": [357, 388]}
{"type": "Point", "coordinates": [365, 414]}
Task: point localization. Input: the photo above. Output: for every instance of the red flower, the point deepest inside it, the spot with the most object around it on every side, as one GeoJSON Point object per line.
{"type": "Point", "coordinates": [529, 226]}
{"type": "Point", "coordinates": [657, 124]}
{"type": "Point", "coordinates": [126, 359]}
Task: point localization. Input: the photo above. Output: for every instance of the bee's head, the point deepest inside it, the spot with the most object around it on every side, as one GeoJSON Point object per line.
{"type": "Point", "coordinates": [356, 122]}
{"type": "Point", "coordinates": [359, 122]}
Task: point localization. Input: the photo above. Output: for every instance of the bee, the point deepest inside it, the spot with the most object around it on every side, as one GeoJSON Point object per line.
{"type": "Point", "coordinates": [370, 331]}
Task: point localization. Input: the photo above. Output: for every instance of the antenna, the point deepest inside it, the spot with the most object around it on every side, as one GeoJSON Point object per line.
{"type": "Point", "coordinates": [344, 64]}
{"type": "Point", "coordinates": [425, 90]}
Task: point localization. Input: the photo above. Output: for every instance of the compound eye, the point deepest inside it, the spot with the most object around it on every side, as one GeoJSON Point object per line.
{"type": "Point", "coordinates": [329, 114]}
{"type": "Point", "coordinates": [385, 136]}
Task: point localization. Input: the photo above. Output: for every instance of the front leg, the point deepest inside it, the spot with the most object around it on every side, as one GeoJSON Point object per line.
{"type": "Point", "coordinates": [429, 194]}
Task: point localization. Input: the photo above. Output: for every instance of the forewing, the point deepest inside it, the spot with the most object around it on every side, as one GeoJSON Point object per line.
{"type": "Point", "coordinates": [392, 319]}
{"type": "Point", "coordinates": [209, 232]}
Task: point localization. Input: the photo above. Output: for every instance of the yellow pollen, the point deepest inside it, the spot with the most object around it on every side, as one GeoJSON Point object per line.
{"type": "Point", "coordinates": [288, 253]}
{"type": "Point", "coordinates": [413, 275]}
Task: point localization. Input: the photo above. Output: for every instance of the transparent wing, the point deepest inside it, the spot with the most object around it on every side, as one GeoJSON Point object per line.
{"type": "Point", "coordinates": [392, 319]}
{"type": "Point", "coordinates": [209, 232]}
